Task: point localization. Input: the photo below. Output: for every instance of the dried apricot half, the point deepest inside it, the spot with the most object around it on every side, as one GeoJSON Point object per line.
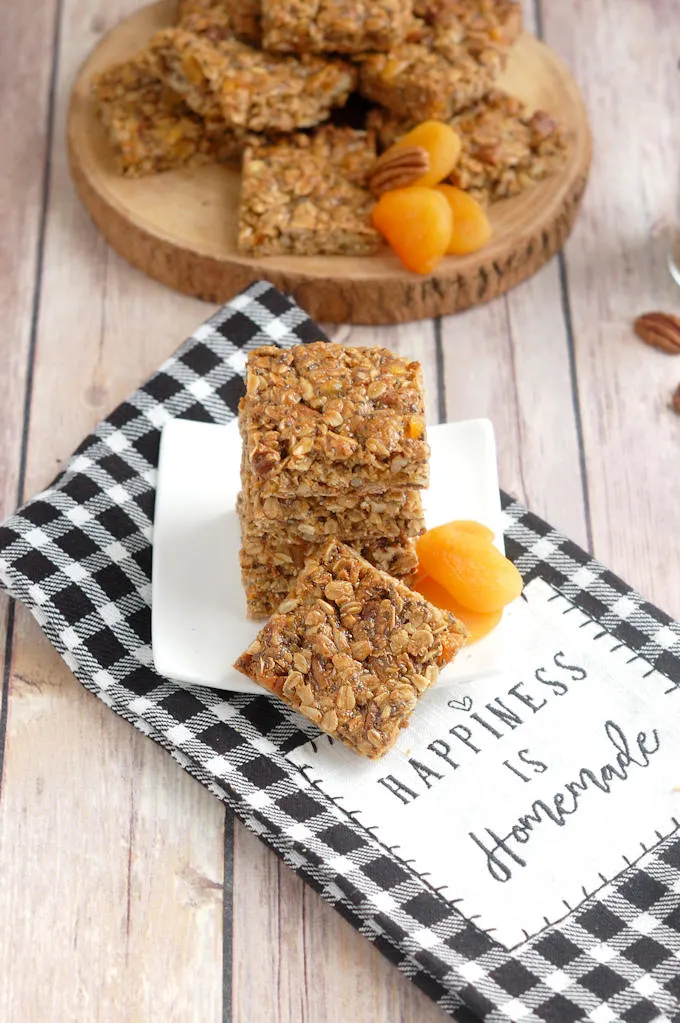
{"type": "Point", "coordinates": [443, 147]}
{"type": "Point", "coordinates": [417, 224]}
{"type": "Point", "coordinates": [473, 571]}
{"type": "Point", "coordinates": [471, 226]}
{"type": "Point", "coordinates": [478, 623]}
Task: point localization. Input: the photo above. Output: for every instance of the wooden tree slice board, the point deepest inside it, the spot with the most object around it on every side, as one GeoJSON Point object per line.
{"type": "Point", "coordinates": [180, 227]}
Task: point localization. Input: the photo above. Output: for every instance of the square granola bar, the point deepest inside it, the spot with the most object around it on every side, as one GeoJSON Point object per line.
{"type": "Point", "coordinates": [334, 26]}
{"type": "Point", "coordinates": [295, 451]}
{"type": "Point", "coordinates": [349, 517]}
{"type": "Point", "coordinates": [451, 58]}
{"type": "Point", "coordinates": [248, 88]}
{"type": "Point", "coordinates": [415, 81]}
{"type": "Point", "coordinates": [150, 127]}
{"type": "Point", "coordinates": [321, 373]}
{"type": "Point", "coordinates": [301, 196]}
{"type": "Point", "coordinates": [353, 650]}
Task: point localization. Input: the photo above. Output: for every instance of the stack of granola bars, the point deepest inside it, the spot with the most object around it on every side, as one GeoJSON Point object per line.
{"type": "Point", "coordinates": [333, 447]}
{"type": "Point", "coordinates": [261, 81]}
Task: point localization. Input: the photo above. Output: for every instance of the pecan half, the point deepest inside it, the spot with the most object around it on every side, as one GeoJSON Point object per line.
{"type": "Point", "coordinates": [660, 330]}
{"type": "Point", "coordinates": [398, 167]}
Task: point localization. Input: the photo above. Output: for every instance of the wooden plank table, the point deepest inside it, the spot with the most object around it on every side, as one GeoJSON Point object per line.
{"type": "Point", "coordinates": [126, 894]}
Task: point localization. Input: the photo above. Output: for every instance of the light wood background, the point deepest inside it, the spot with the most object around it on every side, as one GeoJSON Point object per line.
{"type": "Point", "coordinates": [125, 895]}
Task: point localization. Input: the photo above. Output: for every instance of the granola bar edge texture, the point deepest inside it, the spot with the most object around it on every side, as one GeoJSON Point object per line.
{"type": "Point", "coordinates": [334, 26]}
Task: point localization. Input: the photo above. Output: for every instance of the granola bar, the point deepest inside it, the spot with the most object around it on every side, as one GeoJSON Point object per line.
{"type": "Point", "coordinates": [150, 127]}
{"type": "Point", "coordinates": [260, 601]}
{"type": "Point", "coordinates": [478, 24]}
{"type": "Point", "coordinates": [415, 81]}
{"type": "Point", "coordinates": [352, 649]}
{"type": "Point", "coordinates": [349, 517]}
{"type": "Point", "coordinates": [334, 26]}
{"type": "Point", "coordinates": [295, 451]}
{"type": "Point", "coordinates": [264, 556]}
{"type": "Point", "coordinates": [451, 58]}
{"type": "Point", "coordinates": [506, 148]}
{"type": "Point", "coordinates": [248, 88]}
{"type": "Point", "coordinates": [269, 568]}
{"type": "Point", "coordinates": [124, 81]}
{"type": "Point", "coordinates": [300, 196]}
{"type": "Point", "coordinates": [241, 16]}
{"type": "Point", "coordinates": [320, 374]}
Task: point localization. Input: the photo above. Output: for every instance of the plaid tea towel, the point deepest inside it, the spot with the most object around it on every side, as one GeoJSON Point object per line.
{"type": "Point", "coordinates": [521, 860]}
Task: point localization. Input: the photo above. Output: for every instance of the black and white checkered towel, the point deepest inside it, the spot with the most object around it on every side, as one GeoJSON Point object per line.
{"type": "Point", "coordinates": [79, 556]}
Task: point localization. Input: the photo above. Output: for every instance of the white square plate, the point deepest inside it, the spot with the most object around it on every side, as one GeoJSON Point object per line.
{"type": "Point", "coordinates": [198, 619]}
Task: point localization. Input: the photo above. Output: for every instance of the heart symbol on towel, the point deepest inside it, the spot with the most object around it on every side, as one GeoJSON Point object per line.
{"type": "Point", "coordinates": [464, 704]}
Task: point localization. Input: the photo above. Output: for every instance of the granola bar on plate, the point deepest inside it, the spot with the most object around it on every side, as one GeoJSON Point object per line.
{"type": "Point", "coordinates": [353, 650]}
{"type": "Point", "coordinates": [321, 375]}
{"type": "Point", "coordinates": [349, 517]}
{"type": "Point", "coordinates": [293, 451]}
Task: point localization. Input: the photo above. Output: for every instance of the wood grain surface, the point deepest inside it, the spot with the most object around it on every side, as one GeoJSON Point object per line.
{"type": "Point", "coordinates": [126, 894]}
{"type": "Point", "coordinates": [180, 227]}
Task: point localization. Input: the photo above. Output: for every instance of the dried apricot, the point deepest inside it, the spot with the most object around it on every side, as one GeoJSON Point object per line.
{"type": "Point", "coordinates": [470, 526]}
{"type": "Point", "coordinates": [417, 223]}
{"type": "Point", "coordinates": [443, 147]}
{"type": "Point", "coordinates": [471, 227]}
{"type": "Point", "coordinates": [469, 567]}
{"type": "Point", "coordinates": [478, 623]}
{"type": "Point", "coordinates": [415, 429]}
